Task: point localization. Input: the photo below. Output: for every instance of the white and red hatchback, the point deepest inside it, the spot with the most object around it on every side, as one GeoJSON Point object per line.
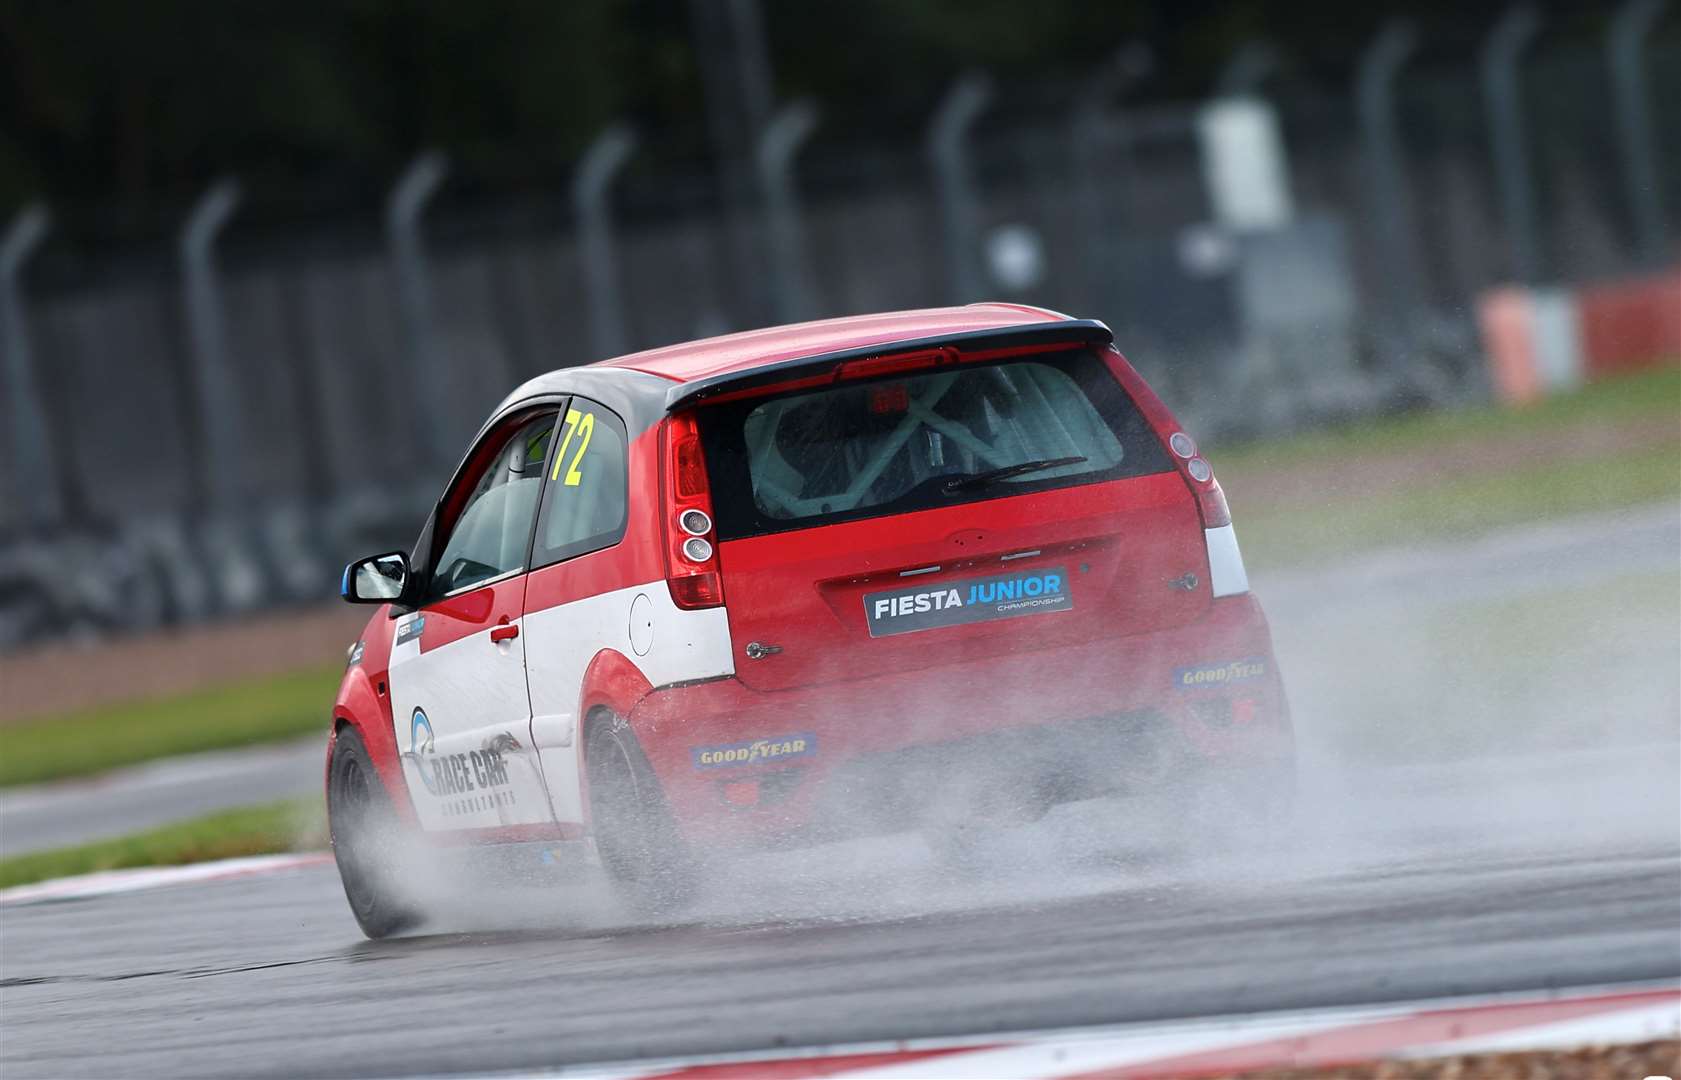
{"type": "Point", "coordinates": [930, 568]}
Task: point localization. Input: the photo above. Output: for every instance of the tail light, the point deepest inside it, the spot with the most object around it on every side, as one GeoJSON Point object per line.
{"type": "Point", "coordinates": [1211, 499]}
{"type": "Point", "coordinates": [691, 556]}
{"type": "Point", "coordinates": [1227, 576]}
{"type": "Point", "coordinates": [1198, 474]}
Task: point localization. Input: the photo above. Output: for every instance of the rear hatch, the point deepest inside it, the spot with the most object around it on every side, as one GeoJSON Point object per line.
{"type": "Point", "coordinates": [928, 510]}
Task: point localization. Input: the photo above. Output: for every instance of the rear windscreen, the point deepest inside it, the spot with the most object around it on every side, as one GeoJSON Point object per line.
{"type": "Point", "coordinates": [949, 435]}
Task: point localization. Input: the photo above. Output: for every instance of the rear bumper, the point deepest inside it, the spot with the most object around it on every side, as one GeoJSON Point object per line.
{"type": "Point", "coordinates": [739, 764]}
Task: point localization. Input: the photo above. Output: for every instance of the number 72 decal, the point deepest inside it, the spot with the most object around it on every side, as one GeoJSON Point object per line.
{"type": "Point", "coordinates": [583, 426]}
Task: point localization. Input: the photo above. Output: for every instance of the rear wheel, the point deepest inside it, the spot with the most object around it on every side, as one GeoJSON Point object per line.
{"type": "Point", "coordinates": [369, 841]}
{"type": "Point", "coordinates": [634, 833]}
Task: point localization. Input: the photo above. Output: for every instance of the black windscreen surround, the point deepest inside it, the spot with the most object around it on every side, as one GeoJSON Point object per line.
{"type": "Point", "coordinates": [923, 439]}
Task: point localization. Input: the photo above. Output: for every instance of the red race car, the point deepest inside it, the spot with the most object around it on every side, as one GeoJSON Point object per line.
{"type": "Point", "coordinates": [931, 569]}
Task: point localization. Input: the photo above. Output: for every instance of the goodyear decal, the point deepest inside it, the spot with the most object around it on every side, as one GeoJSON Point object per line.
{"type": "Point", "coordinates": [1202, 676]}
{"type": "Point", "coordinates": [757, 752]}
{"type": "Point", "coordinates": [967, 600]}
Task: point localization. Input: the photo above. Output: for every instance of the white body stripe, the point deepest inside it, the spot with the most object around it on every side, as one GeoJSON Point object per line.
{"type": "Point", "coordinates": [666, 643]}
{"type": "Point", "coordinates": [1225, 562]}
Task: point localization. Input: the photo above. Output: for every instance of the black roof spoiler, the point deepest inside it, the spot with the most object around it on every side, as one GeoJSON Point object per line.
{"type": "Point", "coordinates": [1064, 331]}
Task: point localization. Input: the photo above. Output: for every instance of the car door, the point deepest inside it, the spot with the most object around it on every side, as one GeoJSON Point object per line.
{"type": "Point", "coordinates": [582, 598]}
{"type": "Point", "coordinates": [458, 688]}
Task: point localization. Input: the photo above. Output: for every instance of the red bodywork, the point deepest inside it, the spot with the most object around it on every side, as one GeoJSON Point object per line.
{"type": "Point", "coordinates": [1122, 652]}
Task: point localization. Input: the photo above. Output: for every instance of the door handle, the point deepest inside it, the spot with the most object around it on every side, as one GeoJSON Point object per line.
{"type": "Point", "coordinates": [503, 631]}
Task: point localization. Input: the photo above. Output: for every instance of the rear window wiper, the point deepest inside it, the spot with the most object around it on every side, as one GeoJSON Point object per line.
{"type": "Point", "coordinates": [1018, 469]}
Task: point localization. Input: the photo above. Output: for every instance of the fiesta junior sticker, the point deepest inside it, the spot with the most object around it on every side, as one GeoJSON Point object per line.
{"type": "Point", "coordinates": [967, 600]}
{"type": "Point", "coordinates": [756, 752]}
{"type": "Point", "coordinates": [1202, 676]}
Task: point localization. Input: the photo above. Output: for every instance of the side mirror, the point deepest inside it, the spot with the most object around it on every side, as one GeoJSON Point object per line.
{"type": "Point", "coordinates": [378, 579]}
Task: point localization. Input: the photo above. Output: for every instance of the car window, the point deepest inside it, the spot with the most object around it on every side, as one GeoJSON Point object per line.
{"type": "Point", "coordinates": [895, 445]}
{"type": "Point", "coordinates": [490, 537]}
{"type": "Point", "coordinates": [585, 503]}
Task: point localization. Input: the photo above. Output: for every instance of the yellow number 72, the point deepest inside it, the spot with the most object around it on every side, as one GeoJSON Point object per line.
{"type": "Point", "coordinates": [575, 423]}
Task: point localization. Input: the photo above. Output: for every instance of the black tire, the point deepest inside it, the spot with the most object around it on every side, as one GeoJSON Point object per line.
{"type": "Point", "coordinates": [370, 842]}
{"type": "Point", "coordinates": [638, 841]}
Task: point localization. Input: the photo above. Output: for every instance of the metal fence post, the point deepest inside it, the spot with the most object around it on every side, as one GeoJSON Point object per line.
{"type": "Point", "coordinates": [947, 153]}
{"type": "Point", "coordinates": [217, 398]}
{"type": "Point", "coordinates": [403, 208]}
{"type": "Point", "coordinates": [602, 163]}
{"type": "Point", "coordinates": [1390, 198]}
{"type": "Point", "coordinates": [1243, 73]}
{"type": "Point", "coordinates": [36, 469]}
{"type": "Point", "coordinates": [1503, 96]}
{"type": "Point", "coordinates": [1623, 43]}
{"type": "Point", "coordinates": [1090, 134]}
{"type": "Point", "coordinates": [781, 140]}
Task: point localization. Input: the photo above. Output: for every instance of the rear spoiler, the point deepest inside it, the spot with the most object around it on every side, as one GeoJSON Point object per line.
{"type": "Point", "coordinates": [1027, 335]}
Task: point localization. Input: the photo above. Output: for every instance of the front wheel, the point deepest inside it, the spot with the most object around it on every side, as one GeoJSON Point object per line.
{"type": "Point", "coordinates": [635, 836]}
{"type": "Point", "coordinates": [370, 843]}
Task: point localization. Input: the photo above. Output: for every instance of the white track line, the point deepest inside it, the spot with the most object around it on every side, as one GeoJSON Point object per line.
{"type": "Point", "coordinates": [109, 882]}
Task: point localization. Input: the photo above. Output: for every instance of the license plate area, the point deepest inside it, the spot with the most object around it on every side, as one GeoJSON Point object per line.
{"type": "Point", "coordinates": [1039, 591]}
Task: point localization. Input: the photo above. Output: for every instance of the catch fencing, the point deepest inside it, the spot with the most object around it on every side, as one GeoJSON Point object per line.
{"type": "Point", "coordinates": [217, 431]}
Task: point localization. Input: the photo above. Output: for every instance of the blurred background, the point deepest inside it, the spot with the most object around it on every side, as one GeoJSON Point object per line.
{"type": "Point", "coordinates": [265, 267]}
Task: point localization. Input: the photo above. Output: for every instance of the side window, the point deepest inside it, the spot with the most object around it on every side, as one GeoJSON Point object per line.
{"type": "Point", "coordinates": [584, 505]}
{"type": "Point", "coordinates": [490, 536]}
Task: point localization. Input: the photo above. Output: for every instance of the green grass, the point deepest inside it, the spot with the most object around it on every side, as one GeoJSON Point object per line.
{"type": "Point", "coordinates": [240, 714]}
{"type": "Point", "coordinates": [1454, 494]}
{"type": "Point", "coordinates": [1459, 506]}
{"type": "Point", "coordinates": [266, 829]}
{"type": "Point", "coordinates": [1654, 392]}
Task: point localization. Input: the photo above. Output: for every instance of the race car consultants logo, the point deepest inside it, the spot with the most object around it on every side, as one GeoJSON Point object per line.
{"type": "Point", "coordinates": [757, 752]}
{"type": "Point", "coordinates": [420, 747]}
{"type": "Point", "coordinates": [1202, 676]}
{"type": "Point", "coordinates": [967, 600]}
{"type": "Point", "coordinates": [479, 775]}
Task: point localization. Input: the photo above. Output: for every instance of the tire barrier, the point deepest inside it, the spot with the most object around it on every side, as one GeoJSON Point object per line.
{"type": "Point", "coordinates": [1541, 341]}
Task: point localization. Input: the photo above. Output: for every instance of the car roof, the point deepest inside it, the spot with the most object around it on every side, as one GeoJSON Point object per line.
{"type": "Point", "coordinates": [754, 348]}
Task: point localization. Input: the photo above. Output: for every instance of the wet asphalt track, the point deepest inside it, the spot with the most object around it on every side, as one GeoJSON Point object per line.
{"type": "Point", "coordinates": [269, 977]}
{"type": "Point", "coordinates": [1554, 867]}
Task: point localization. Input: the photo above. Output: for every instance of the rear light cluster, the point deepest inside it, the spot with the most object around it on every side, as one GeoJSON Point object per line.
{"type": "Point", "coordinates": [1198, 473]}
{"type": "Point", "coordinates": [1211, 500]}
{"type": "Point", "coordinates": [1226, 574]}
{"type": "Point", "coordinates": [691, 557]}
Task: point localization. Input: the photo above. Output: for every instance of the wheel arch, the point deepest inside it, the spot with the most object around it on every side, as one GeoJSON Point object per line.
{"type": "Point", "coordinates": [367, 711]}
{"type": "Point", "coordinates": [613, 683]}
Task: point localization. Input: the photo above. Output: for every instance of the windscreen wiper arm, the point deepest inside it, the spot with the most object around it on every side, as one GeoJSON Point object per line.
{"type": "Point", "coordinates": [1018, 469]}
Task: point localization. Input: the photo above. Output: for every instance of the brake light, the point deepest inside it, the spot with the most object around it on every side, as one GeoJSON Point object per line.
{"type": "Point", "coordinates": [691, 557]}
{"type": "Point", "coordinates": [892, 365]}
{"type": "Point", "coordinates": [688, 467]}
